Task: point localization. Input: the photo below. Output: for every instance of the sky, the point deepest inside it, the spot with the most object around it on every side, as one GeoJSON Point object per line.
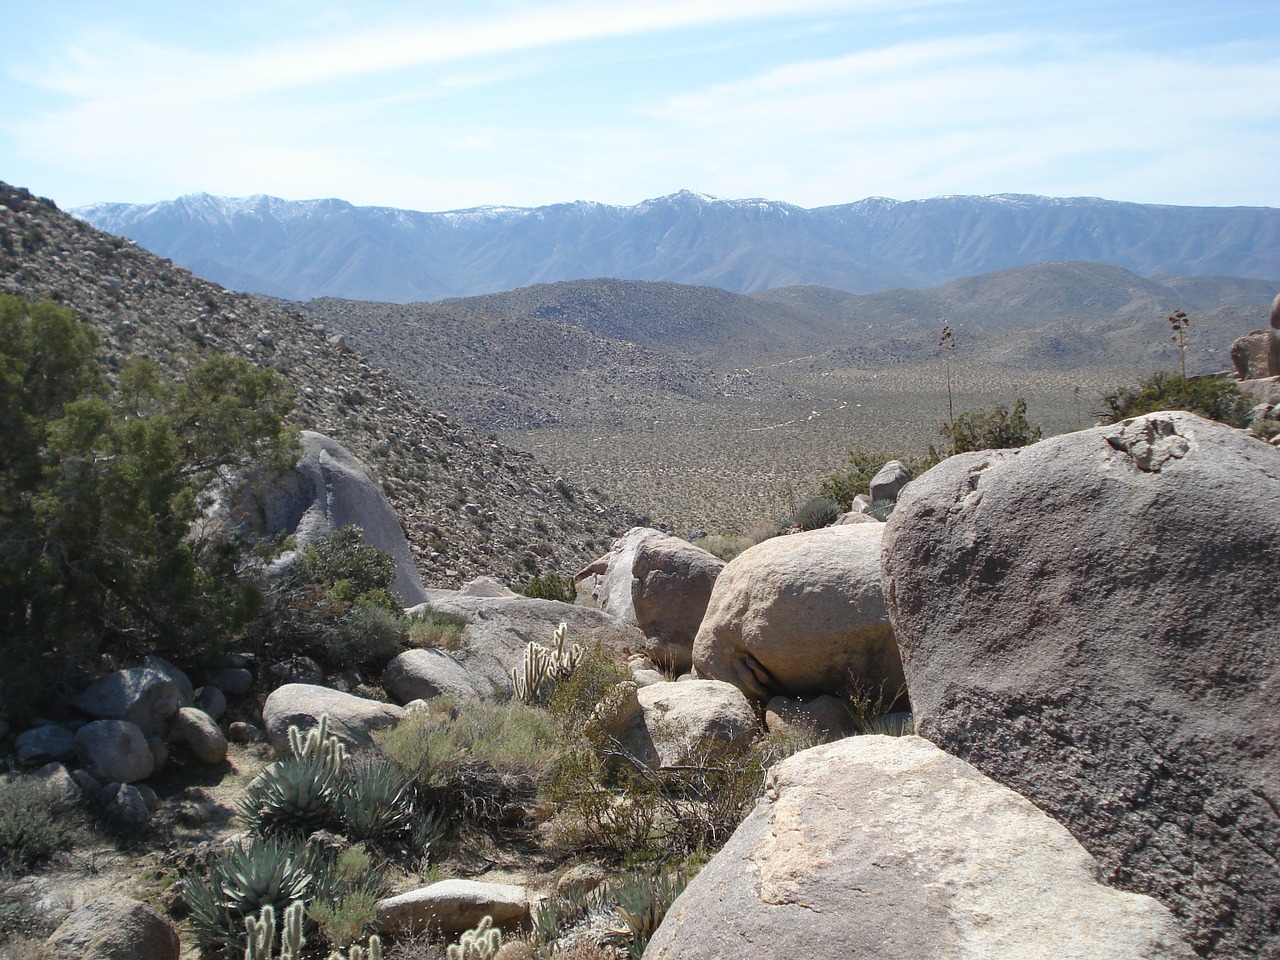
{"type": "Point", "coordinates": [442, 105]}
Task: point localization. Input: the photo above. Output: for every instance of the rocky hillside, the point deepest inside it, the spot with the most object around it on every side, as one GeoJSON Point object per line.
{"type": "Point", "coordinates": [513, 369]}
{"type": "Point", "coordinates": [316, 248]}
{"type": "Point", "coordinates": [469, 504]}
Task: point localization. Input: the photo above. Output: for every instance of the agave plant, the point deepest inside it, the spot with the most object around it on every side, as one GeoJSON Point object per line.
{"type": "Point", "coordinates": [246, 878]}
{"type": "Point", "coordinates": [642, 903]}
{"type": "Point", "coordinates": [376, 800]}
{"type": "Point", "coordinates": [298, 793]}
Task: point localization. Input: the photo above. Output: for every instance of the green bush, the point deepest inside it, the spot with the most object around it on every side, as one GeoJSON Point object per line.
{"type": "Point", "coordinates": [335, 605]}
{"type": "Point", "coordinates": [473, 761]}
{"type": "Point", "coordinates": [30, 829]}
{"type": "Point", "coordinates": [434, 628]}
{"type": "Point", "coordinates": [551, 586]}
{"type": "Point", "coordinates": [995, 429]}
{"type": "Point", "coordinates": [1207, 396]}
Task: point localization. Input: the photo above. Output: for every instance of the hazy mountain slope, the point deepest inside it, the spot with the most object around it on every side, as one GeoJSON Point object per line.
{"type": "Point", "coordinates": [469, 504]}
{"type": "Point", "coordinates": [305, 249]}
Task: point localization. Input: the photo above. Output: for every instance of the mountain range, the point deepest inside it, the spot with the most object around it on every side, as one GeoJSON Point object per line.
{"type": "Point", "coordinates": [329, 248]}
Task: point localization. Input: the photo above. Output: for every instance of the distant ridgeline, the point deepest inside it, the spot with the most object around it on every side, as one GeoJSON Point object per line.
{"type": "Point", "coordinates": [318, 248]}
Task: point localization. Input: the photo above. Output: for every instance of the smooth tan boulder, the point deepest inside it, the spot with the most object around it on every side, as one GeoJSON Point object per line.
{"type": "Point", "coordinates": [452, 907]}
{"type": "Point", "coordinates": [672, 724]}
{"type": "Point", "coordinates": [801, 616]}
{"type": "Point", "coordinates": [886, 848]}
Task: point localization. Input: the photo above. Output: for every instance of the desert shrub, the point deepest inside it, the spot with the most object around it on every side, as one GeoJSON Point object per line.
{"type": "Point", "coordinates": [335, 604]}
{"type": "Point", "coordinates": [575, 698]}
{"type": "Point", "coordinates": [473, 761]}
{"type": "Point", "coordinates": [869, 702]}
{"type": "Point", "coordinates": [551, 586]}
{"type": "Point", "coordinates": [1207, 396]}
{"type": "Point", "coordinates": [816, 513]}
{"type": "Point", "coordinates": [995, 429]}
{"type": "Point", "coordinates": [347, 919]}
{"type": "Point", "coordinates": [30, 830]}
{"type": "Point", "coordinates": [434, 628]}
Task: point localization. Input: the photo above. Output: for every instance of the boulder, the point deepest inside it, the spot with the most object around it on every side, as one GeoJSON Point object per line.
{"type": "Point", "coordinates": [144, 696]}
{"type": "Point", "coordinates": [451, 907]}
{"type": "Point", "coordinates": [499, 628]}
{"type": "Point", "coordinates": [352, 719]}
{"type": "Point", "coordinates": [1250, 353]}
{"type": "Point", "coordinates": [48, 742]}
{"type": "Point", "coordinates": [60, 787]}
{"type": "Point", "coordinates": [684, 723]}
{"type": "Point", "coordinates": [211, 700]}
{"type": "Point", "coordinates": [800, 616]}
{"type": "Point", "coordinates": [126, 805]}
{"type": "Point", "coordinates": [234, 681]}
{"type": "Point", "coordinates": [889, 481]}
{"type": "Point", "coordinates": [296, 670]}
{"type": "Point", "coordinates": [823, 718]}
{"type": "Point", "coordinates": [886, 848]}
{"type": "Point", "coordinates": [113, 928]}
{"type": "Point", "coordinates": [186, 693]}
{"type": "Point", "coordinates": [660, 584]}
{"type": "Point", "coordinates": [201, 735]}
{"type": "Point", "coordinates": [329, 489]}
{"type": "Point", "coordinates": [426, 673]}
{"type": "Point", "coordinates": [1092, 620]}
{"type": "Point", "coordinates": [114, 750]}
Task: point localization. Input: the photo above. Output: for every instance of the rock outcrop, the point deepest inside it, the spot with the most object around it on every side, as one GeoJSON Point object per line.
{"type": "Point", "coordinates": [886, 848]}
{"type": "Point", "coordinates": [1092, 620]}
{"type": "Point", "coordinates": [452, 906]}
{"type": "Point", "coordinates": [329, 489]}
{"type": "Point", "coordinates": [801, 615]}
{"type": "Point", "coordinates": [660, 584]}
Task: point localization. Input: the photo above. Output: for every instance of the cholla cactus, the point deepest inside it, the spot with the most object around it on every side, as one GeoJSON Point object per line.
{"type": "Point", "coordinates": [543, 667]}
{"type": "Point", "coordinates": [262, 934]}
{"type": "Point", "coordinates": [480, 943]}
{"type": "Point", "coordinates": [318, 747]}
{"type": "Point", "coordinates": [357, 952]}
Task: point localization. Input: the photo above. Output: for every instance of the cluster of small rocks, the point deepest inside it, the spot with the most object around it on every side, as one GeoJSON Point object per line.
{"type": "Point", "coordinates": [126, 725]}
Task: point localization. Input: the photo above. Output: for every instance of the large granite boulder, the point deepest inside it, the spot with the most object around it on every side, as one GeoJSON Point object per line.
{"type": "Point", "coordinates": [676, 724]}
{"type": "Point", "coordinates": [327, 490]}
{"type": "Point", "coordinates": [145, 696]}
{"type": "Point", "coordinates": [886, 848]}
{"type": "Point", "coordinates": [499, 628]}
{"type": "Point", "coordinates": [115, 750]}
{"type": "Point", "coordinates": [660, 584]}
{"type": "Point", "coordinates": [426, 673]}
{"type": "Point", "coordinates": [113, 928]}
{"type": "Point", "coordinates": [1093, 621]}
{"type": "Point", "coordinates": [801, 615]}
{"type": "Point", "coordinates": [352, 719]}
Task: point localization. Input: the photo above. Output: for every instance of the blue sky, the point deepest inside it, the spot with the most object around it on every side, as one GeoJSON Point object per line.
{"type": "Point", "coordinates": [445, 105]}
